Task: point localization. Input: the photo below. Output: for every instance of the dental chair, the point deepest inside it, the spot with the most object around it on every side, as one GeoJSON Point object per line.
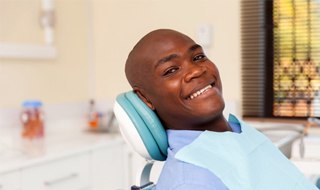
{"type": "Point", "coordinates": [143, 131]}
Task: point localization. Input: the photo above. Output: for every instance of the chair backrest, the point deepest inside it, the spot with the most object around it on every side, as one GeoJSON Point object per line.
{"type": "Point", "coordinates": [141, 127]}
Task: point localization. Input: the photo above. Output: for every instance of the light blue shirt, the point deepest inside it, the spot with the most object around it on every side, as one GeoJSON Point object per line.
{"type": "Point", "coordinates": [178, 175]}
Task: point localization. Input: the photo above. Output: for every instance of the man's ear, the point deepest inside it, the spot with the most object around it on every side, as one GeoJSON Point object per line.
{"type": "Point", "coordinates": [144, 98]}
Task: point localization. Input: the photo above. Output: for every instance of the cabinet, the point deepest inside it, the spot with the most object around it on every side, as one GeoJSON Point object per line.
{"type": "Point", "coordinates": [108, 168]}
{"type": "Point", "coordinates": [10, 181]}
{"type": "Point", "coordinates": [86, 161]}
{"type": "Point", "coordinates": [70, 173]}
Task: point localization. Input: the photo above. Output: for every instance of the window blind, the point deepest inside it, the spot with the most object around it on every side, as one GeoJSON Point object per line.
{"type": "Point", "coordinates": [253, 60]}
{"type": "Point", "coordinates": [296, 58]}
{"type": "Point", "coordinates": [281, 58]}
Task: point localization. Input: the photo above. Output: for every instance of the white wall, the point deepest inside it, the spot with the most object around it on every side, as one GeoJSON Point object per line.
{"type": "Point", "coordinates": [119, 24]}
{"type": "Point", "coordinates": [63, 79]}
{"type": "Point", "coordinates": [95, 68]}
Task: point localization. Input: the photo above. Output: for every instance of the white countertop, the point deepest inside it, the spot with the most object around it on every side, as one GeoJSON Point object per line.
{"type": "Point", "coordinates": [61, 139]}
{"type": "Point", "coordinates": [73, 137]}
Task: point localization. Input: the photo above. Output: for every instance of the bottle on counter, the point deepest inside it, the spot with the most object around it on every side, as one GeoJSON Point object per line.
{"type": "Point", "coordinates": [93, 116]}
{"type": "Point", "coordinates": [32, 119]}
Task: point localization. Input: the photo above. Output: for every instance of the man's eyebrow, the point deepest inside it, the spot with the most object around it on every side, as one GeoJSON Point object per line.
{"type": "Point", "coordinates": [165, 59]}
{"type": "Point", "coordinates": [194, 47]}
{"type": "Point", "coordinates": [172, 56]}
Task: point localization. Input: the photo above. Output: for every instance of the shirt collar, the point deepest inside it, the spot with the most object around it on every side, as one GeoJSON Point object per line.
{"type": "Point", "coordinates": [180, 138]}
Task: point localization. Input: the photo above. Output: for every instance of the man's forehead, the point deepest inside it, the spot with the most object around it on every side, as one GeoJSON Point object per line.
{"type": "Point", "coordinates": [159, 38]}
{"type": "Point", "coordinates": [157, 44]}
{"type": "Point", "coordinates": [152, 48]}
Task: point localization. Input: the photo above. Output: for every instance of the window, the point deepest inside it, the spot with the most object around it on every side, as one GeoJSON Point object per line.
{"type": "Point", "coordinates": [281, 58]}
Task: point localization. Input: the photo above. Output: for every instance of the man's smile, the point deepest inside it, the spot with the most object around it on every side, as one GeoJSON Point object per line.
{"type": "Point", "coordinates": [201, 91]}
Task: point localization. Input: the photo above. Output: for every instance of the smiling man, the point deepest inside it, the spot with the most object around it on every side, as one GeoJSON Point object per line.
{"type": "Point", "coordinates": [172, 75]}
{"type": "Point", "coordinates": [174, 78]}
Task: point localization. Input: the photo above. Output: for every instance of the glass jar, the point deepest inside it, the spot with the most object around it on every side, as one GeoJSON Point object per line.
{"type": "Point", "coordinates": [32, 119]}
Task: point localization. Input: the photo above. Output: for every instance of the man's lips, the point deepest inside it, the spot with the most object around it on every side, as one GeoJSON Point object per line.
{"type": "Point", "coordinates": [201, 91]}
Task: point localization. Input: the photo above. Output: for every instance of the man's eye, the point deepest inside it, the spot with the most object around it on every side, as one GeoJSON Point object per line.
{"type": "Point", "coordinates": [199, 57]}
{"type": "Point", "coordinates": [170, 71]}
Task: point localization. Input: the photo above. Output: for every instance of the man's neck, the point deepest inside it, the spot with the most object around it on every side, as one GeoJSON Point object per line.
{"type": "Point", "coordinates": [219, 124]}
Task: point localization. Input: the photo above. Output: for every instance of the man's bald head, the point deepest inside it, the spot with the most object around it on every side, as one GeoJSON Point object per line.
{"type": "Point", "coordinates": [141, 59]}
{"type": "Point", "coordinates": [172, 75]}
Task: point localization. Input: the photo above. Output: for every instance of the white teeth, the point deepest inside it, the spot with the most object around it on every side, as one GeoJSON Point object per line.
{"type": "Point", "coordinates": [199, 92]}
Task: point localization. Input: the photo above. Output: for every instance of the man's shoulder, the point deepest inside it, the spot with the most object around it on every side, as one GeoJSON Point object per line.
{"type": "Point", "coordinates": [181, 175]}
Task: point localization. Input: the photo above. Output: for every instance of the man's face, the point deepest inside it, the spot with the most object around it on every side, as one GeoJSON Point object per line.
{"type": "Point", "coordinates": [181, 83]}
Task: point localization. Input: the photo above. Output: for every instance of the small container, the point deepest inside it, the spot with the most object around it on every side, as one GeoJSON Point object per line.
{"type": "Point", "coordinates": [32, 119]}
{"type": "Point", "coordinates": [93, 116]}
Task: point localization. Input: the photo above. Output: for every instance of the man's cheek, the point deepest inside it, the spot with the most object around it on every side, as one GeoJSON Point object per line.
{"type": "Point", "coordinates": [173, 85]}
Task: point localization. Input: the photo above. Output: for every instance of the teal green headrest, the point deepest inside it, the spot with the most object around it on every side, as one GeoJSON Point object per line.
{"type": "Point", "coordinates": [139, 123]}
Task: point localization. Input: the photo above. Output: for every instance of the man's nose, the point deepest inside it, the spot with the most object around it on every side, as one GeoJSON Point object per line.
{"type": "Point", "coordinates": [194, 71]}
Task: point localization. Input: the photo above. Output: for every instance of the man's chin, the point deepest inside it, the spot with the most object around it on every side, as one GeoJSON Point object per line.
{"type": "Point", "coordinates": [209, 113]}
{"type": "Point", "coordinates": [209, 104]}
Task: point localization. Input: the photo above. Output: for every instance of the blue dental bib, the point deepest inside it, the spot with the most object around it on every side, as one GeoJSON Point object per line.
{"type": "Point", "coordinates": [244, 161]}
